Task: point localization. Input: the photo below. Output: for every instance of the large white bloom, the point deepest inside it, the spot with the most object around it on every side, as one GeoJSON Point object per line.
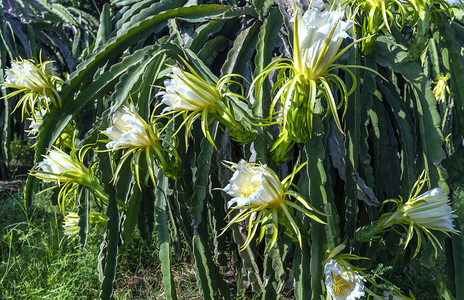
{"type": "Point", "coordinates": [318, 36]}
{"type": "Point", "coordinates": [59, 167]}
{"type": "Point", "coordinates": [24, 74]}
{"type": "Point", "coordinates": [342, 283]}
{"type": "Point", "coordinates": [253, 185]}
{"type": "Point", "coordinates": [129, 130]}
{"type": "Point", "coordinates": [188, 92]}
{"type": "Point", "coordinates": [431, 210]}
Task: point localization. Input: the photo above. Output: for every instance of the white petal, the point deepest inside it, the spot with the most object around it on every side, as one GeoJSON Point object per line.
{"type": "Point", "coordinates": [239, 201]}
{"type": "Point", "coordinates": [313, 33]}
{"type": "Point", "coordinates": [128, 130]}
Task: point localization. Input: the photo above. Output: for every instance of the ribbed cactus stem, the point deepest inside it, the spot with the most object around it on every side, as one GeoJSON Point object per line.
{"type": "Point", "coordinates": [164, 239]}
{"type": "Point", "coordinates": [112, 232]}
{"type": "Point", "coordinates": [83, 212]}
{"type": "Point", "coordinates": [317, 179]}
{"type": "Point", "coordinates": [7, 102]}
{"type": "Point", "coordinates": [435, 59]}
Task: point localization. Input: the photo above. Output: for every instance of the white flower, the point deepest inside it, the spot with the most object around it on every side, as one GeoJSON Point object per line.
{"type": "Point", "coordinates": [253, 185]}
{"type": "Point", "coordinates": [25, 74]}
{"type": "Point", "coordinates": [69, 171]}
{"type": "Point", "coordinates": [185, 91]}
{"type": "Point", "coordinates": [57, 164]}
{"type": "Point", "coordinates": [318, 36]}
{"type": "Point", "coordinates": [431, 210]}
{"type": "Point", "coordinates": [342, 283]}
{"type": "Point", "coordinates": [129, 130]}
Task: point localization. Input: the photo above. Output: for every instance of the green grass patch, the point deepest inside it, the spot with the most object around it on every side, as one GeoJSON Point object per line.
{"type": "Point", "coordinates": [37, 260]}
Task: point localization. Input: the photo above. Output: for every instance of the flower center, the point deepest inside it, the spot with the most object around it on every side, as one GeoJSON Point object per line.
{"type": "Point", "coordinates": [248, 191]}
{"type": "Point", "coordinates": [341, 286]}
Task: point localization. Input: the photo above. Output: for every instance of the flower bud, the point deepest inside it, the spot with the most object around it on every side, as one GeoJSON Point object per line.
{"type": "Point", "coordinates": [441, 88]}
{"type": "Point", "coordinates": [188, 92]}
{"type": "Point", "coordinates": [36, 121]}
{"type": "Point", "coordinates": [71, 222]}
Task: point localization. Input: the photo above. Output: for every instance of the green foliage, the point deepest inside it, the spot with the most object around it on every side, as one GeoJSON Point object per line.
{"type": "Point", "coordinates": [458, 204]}
{"type": "Point", "coordinates": [21, 152]}
{"type": "Point", "coordinates": [93, 7]}
{"type": "Point", "coordinates": [403, 276]}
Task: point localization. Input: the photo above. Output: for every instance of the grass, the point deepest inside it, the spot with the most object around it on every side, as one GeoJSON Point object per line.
{"type": "Point", "coordinates": [39, 262]}
{"type": "Point", "coordinates": [139, 272]}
